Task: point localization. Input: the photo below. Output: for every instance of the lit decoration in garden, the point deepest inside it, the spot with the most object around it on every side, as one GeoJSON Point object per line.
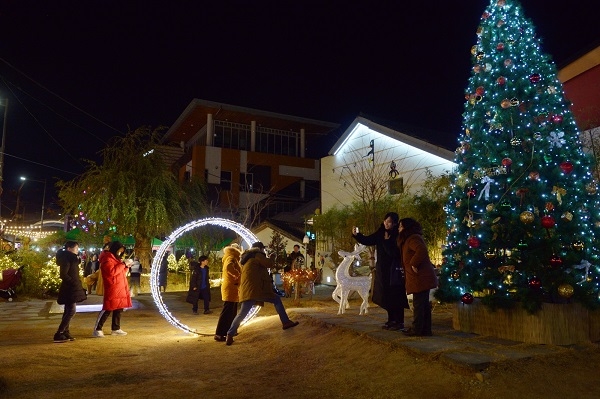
{"type": "Point", "coordinates": [537, 240]}
{"type": "Point", "coordinates": [247, 236]}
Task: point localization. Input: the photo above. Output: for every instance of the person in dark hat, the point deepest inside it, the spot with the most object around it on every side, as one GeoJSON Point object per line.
{"type": "Point", "coordinates": [256, 287]}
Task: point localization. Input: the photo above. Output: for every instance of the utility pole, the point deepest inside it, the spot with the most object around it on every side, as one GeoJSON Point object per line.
{"type": "Point", "coordinates": [5, 103]}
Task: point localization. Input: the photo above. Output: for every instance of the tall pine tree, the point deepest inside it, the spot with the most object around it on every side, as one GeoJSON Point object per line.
{"type": "Point", "coordinates": [523, 213]}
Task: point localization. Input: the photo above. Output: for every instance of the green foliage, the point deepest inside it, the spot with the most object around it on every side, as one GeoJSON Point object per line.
{"type": "Point", "coordinates": [277, 250]}
{"type": "Point", "coordinates": [41, 275]}
{"type": "Point", "coordinates": [133, 192]}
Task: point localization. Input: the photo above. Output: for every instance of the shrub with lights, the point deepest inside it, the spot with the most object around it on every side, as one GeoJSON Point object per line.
{"type": "Point", "coordinates": [523, 213]}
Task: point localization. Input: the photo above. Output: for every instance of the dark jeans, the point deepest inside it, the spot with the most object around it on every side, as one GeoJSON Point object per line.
{"type": "Point", "coordinates": [70, 309]}
{"type": "Point", "coordinates": [396, 315]}
{"type": "Point", "coordinates": [422, 313]}
{"type": "Point", "coordinates": [204, 297]}
{"type": "Point", "coordinates": [226, 317]}
{"type": "Point", "coordinates": [116, 319]}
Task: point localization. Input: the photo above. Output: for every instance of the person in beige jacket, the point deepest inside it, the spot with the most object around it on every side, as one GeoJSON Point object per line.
{"type": "Point", "coordinates": [256, 287]}
{"type": "Point", "coordinates": [419, 273]}
{"type": "Point", "coordinates": [230, 281]}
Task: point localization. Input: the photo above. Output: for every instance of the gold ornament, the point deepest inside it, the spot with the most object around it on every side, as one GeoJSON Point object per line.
{"type": "Point", "coordinates": [455, 275]}
{"type": "Point", "coordinates": [591, 188]}
{"type": "Point", "coordinates": [505, 103]}
{"type": "Point", "coordinates": [489, 254]}
{"type": "Point", "coordinates": [490, 207]}
{"type": "Point", "coordinates": [526, 217]}
{"type": "Point", "coordinates": [488, 291]}
{"type": "Point", "coordinates": [565, 290]}
{"type": "Point", "coordinates": [567, 216]}
{"type": "Point", "coordinates": [578, 246]}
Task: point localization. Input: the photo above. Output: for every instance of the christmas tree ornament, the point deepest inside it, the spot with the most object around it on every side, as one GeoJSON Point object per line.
{"type": "Point", "coordinates": [565, 290]}
{"type": "Point", "coordinates": [522, 245]}
{"type": "Point", "coordinates": [473, 242]}
{"type": "Point", "coordinates": [490, 254]}
{"type": "Point", "coordinates": [566, 216]}
{"type": "Point", "coordinates": [559, 192]}
{"type": "Point", "coordinates": [455, 275]}
{"type": "Point", "coordinates": [534, 78]}
{"type": "Point", "coordinates": [505, 205]}
{"type": "Point", "coordinates": [534, 176]}
{"type": "Point", "coordinates": [500, 47]}
{"type": "Point", "coordinates": [467, 299]}
{"type": "Point", "coordinates": [534, 283]}
{"type": "Point", "coordinates": [477, 68]}
{"type": "Point", "coordinates": [514, 102]}
{"type": "Point", "coordinates": [591, 188]}
{"type": "Point", "coordinates": [501, 80]}
{"type": "Point", "coordinates": [515, 141]}
{"type": "Point", "coordinates": [505, 103]}
{"type": "Point", "coordinates": [549, 206]}
{"type": "Point", "coordinates": [474, 50]}
{"type": "Point", "coordinates": [471, 192]}
{"type": "Point", "coordinates": [578, 245]}
{"type": "Point", "coordinates": [501, 3]}
{"type": "Point", "coordinates": [555, 262]}
{"type": "Point", "coordinates": [557, 119]}
{"type": "Point", "coordinates": [548, 222]}
{"type": "Point", "coordinates": [526, 217]}
{"type": "Point", "coordinates": [566, 167]}
{"type": "Point", "coordinates": [480, 90]}
{"type": "Point", "coordinates": [480, 56]}
{"type": "Point", "coordinates": [489, 207]}
{"type": "Point", "coordinates": [537, 136]}
{"type": "Point", "coordinates": [485, 15]}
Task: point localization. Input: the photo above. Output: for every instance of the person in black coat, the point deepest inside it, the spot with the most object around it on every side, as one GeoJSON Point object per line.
{"type": "Point", "coordinates": [388, 289]}
{"type": "Point", "coordinates": [199, 285]}
{"type": "Point", "coordinates": [71, 290]}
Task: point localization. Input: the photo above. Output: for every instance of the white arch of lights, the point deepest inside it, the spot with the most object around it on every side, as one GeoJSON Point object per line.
{"type": "Point", "coordinates": [247, 236]}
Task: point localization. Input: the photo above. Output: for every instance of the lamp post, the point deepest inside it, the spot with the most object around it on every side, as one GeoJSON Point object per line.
{"type": "Point", "coordinates": [43, 201]}
{"type": "Point", "coordinates": [305, 241]}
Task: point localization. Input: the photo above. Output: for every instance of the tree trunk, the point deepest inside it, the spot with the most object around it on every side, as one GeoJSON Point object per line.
{"type": "Point", "coordinates": [143, 250]}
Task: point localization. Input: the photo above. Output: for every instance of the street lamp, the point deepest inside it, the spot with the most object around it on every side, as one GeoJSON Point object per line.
{"type": "Point", "coordinates": [305, 241]}
{"type": "Point", "coordinates": [43, 201]}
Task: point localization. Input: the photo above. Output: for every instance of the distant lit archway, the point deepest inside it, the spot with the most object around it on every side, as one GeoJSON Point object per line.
{"type": "Point", "coordinates": [247, 236]}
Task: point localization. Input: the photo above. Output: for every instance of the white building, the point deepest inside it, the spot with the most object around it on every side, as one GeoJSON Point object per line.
{"type": "Point", "coordinates": [369, 145]}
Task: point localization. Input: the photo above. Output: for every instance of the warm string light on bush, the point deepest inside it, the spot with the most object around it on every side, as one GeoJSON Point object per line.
{"type": "Point", "coordinates": [247, 236]}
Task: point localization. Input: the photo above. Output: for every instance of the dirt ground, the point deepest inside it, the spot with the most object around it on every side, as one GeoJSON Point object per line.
{"type": "Point", "coordinates": [310, 361]}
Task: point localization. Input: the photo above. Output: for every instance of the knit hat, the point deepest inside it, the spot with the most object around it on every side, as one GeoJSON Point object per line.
{"type": "Point", "coordinates": [258, 244]}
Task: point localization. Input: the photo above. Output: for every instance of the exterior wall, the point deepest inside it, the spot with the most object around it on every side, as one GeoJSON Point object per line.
{"type": "Point", "coordinates": [584, 93]}
{"type": "Point", "coordinates": [411, 164]}
{"type": "Point", "coordinates": [209, 162]}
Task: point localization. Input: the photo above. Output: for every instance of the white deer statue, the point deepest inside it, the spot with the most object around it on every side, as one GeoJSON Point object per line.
{"type": "Point", "coordinates": [346, 283]}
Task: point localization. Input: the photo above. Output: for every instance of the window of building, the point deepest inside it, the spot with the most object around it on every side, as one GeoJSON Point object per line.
{"type": "Point", "coordinates": [247, 182]}
{"type": "Point", "coordinates": [225, 180]}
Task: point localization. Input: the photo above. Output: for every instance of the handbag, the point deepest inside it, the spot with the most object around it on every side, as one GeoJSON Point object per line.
{"type": "Point", "coordinates": [192, 297]}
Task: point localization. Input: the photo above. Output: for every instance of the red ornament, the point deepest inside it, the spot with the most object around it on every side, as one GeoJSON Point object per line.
{"type": "Point", "coordinates": [557, 119]}
{"type": "Point", "coordinates": [566, 167]}
{"type": "Point", "coordinates": [548, 222]}
{"type": "Point", "coordinates": [479, 91]}
{"type": "Point", "coordinates": [535, 283]}
{"type": "Point", "coordinates": [467, 299]}
{"type": "Point", "coordinates": [506, 162]}
{"type": "Point", "coordinates": [534, 175]}
{"type": "Point", "coordinates": [501, 80]}
{"type": "Point", "coordinates": [473, 242]}
{"type": "Point", "coordinates": [507, 62]}
{"type": "Point", "coordinates": [549, 206]}
{"type": "Point", "coordinates": [471, 192]}
{"type": "Point", "coordinates": [555, 262]}
{"type": "Point", "coordinates": [500, 46]}
{"type": "Point", "coordinates": [485, 15]}
{"type": "Point", "coordinates": [535, 78]}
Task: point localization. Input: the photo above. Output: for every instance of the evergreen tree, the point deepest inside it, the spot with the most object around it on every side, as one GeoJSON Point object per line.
{"type": "Point", "coordinates": [523, 211]}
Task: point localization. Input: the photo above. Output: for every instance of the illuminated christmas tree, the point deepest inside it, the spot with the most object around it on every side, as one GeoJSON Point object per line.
{"type": "Point", "coordinates": [523, 213]}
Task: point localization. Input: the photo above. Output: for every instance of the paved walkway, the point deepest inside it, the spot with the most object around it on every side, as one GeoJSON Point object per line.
{"type": "Point", "coordinates": [470, 351]}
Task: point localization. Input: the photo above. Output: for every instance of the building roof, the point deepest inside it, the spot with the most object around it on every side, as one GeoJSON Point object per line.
{"type": "Point", "coordinates": [407, 136]}
{"type": "Point", "coordinates": [194, 118]}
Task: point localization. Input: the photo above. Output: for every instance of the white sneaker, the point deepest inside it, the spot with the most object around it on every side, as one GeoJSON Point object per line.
{"type": "Point", "coordinates": [118, 332]}
{"type": "Point", "coordinates": [98, 334]}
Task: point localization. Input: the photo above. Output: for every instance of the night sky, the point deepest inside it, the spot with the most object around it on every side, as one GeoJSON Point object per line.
{"type": "Point", "coordinates": [77, 73]}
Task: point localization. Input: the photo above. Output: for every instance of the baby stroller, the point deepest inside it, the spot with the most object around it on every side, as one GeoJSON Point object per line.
{"type": "Point", "coordinates": [10, 279]}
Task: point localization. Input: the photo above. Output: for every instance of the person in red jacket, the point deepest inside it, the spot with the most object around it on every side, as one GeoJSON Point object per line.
{"type": "Point", "coordinates": [116, 289]}
{"type": "Point", "coordinates": [420, 274]}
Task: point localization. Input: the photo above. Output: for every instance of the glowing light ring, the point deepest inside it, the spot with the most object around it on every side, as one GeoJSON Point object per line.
{"type": "Point", "coordinates": [247, 236]}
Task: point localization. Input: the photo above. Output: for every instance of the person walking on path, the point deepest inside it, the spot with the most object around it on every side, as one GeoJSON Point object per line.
{"type": "Point", "coordinates": [135, 274]}
{"type": "Point", "coordinates": [388, 287]}
{"type": "Point", "coordinates": [116, 289]}
{"type": "Point", "coordinates": [420, 274]}
{"type": "Point", "coordinates": [163, 272]}
{"type": "Point", "coordinates": [71, 289]}
{"type": "Point", "coordinates": [256, 287]}
{"type": "Point", "coordinates": [230, 281]}
{"type": "Point", "coordinates": [199, 285]}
